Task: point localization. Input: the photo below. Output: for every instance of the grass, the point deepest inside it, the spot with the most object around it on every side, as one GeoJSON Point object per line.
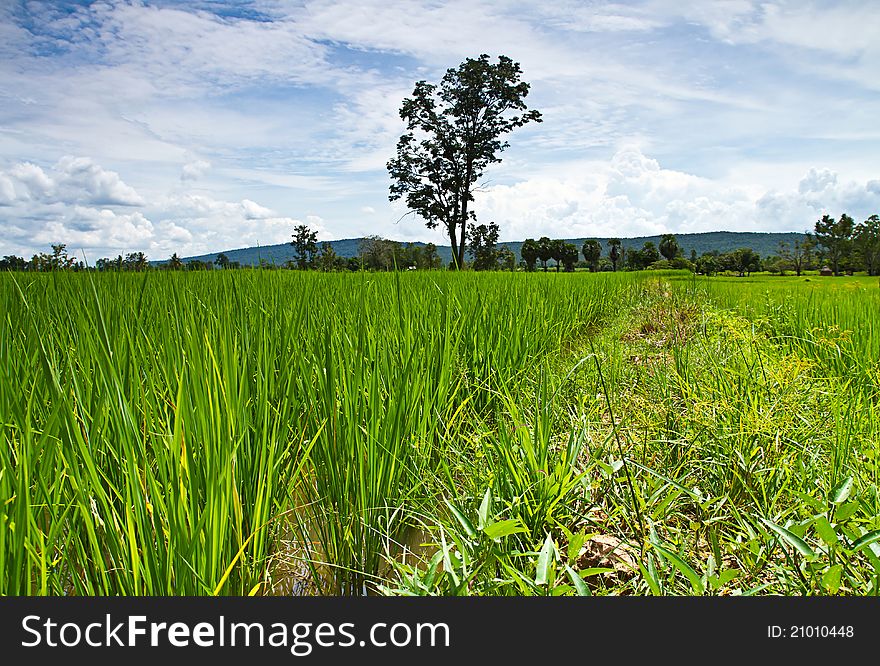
{"type": "Point", "coordinates": [257, 432]}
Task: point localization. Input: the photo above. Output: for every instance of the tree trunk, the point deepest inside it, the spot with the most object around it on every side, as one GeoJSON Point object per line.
{"type": "Point", "coordinates": [453, 239]}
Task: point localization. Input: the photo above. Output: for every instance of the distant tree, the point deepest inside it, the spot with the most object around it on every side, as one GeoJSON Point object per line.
{"type": "Point", "coordinates": [639, 260]}
{"type": "Point", "coordinates": [867, 243]}
{"type": "Point", "coordinates": [305, 245]}
{"type": "Point", "coordinates": [569, 256]}
{"type": "Point", "coordinates": [797, 256]}
{"type": "Point", "coordinates": [481, 246]}
{"type": "Point", "coordinates": [709, 263]}
{"type": "Point", "coordinates": [693, 255]}
{"type": "Point", "coordinates": [529, 253]}
{"type": "Point", "coordinates": [669, 247]}
{"type": "Point", "coordinates": [380, 254]}
{"type": "Point", "coordinates": [430, 258]}
{"type": "Point", "coordinates": [175, 264]}
{"type": "Point", "coordinates": [545, 251]}
{"type": "Point", "coordinates": [614, 252]}
{"type": "Point", "coordinates": [557, 251]}
{"type": "Point", "coordinates": [744, 261]}
{"type": "Point", "coordinates": [222, 260]}
{"type": "Point", "coordinates": [836, 238]}
{"type": "Point", "coordinates": [327, 257]}
{"type": "Point", "coordinates": [57, 261]}
{"type": "Point", "coordinates": [453, 134]}
{"type": "Point", "coordinates": [506, 259]}
{"type": "Point", "coordinates": [135, 261]}
{"type": "Point", "coordinates": [592, 251]}
{"type": "Point", "coordinates": [12, 262]}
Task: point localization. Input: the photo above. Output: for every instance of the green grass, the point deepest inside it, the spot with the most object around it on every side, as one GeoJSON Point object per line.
{"type": "Point", "coordinates": [260, 432]}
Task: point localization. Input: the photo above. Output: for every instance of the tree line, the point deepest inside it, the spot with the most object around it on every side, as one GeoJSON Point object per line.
{"type": "Point", "coordinates": [838, 244]}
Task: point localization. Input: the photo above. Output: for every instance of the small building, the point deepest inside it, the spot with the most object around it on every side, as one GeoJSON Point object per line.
{"type": "Point", "coordinates": [826, 271]}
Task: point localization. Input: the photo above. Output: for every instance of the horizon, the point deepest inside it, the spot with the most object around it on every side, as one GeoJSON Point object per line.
{"type": "Point", "coordinates": [189, 128]}
{"type": "Point", "coordinates": [502, 242]}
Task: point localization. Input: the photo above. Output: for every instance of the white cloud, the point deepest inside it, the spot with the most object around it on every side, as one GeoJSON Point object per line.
{"type": "Point", "coordinates": [71, 180]}
{"type": "Point", "coordinates": [7, 191]}
{"type": "Point", "coordinates": [79, 176]}
{"type": "Point", "coordinates": [231, 127]}
{"type": "Point", "coordinates": [194, 170]}
{"type": "Point", "coordinates": [82, 227]}
{"type": "Point", "coordinates": [633, 195]}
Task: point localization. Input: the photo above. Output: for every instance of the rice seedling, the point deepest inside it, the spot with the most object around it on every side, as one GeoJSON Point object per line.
{"type": "Point", "coordinates": [641, 433]}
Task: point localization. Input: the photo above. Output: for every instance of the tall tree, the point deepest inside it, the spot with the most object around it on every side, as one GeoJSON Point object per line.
{"type": "Point", "coordinates": [430, 258]}
{"type": "Point", "coordinates": [669, 247]}
{"type": "Point", "coordinates": [327, 257]}
{"type": "Point", "coordinates": [545, 251]}
{"type": "Point", "coordinates": [135, 261]}
{"type": "Point", "coordinates": [529, 253]}
{"type": "Point", "coordinates": [836, 238]}
{"type": "Point", "coordinates": [481, 246]}
{"type": "Point", "coordinates": [798, 255]}
{"type": "Point", "coordinates": [175, 264]}
{"type": "Point", "coordinates": [614, 252]}
{"type": "Point", "coordinates": [744, 261]}
{"type": "Point", "coordinates": [453, 134]}
{"type": "Point", "coordinates": [12, 262]}
{"type": "Point", "coordinates": [305, 244]}
{"type": "Point", "coordinates": [506, 259]}
{"type": "Point", "coordinates": [592, 250]}
{"type": "Point", "coordinates": [569, 256]}
{"type": "Point", "coordinates": [867, 242]}
{"type": "Point", "coordinates": [222, 260]}
{"type": "Point", "coordinates": [557, 251]}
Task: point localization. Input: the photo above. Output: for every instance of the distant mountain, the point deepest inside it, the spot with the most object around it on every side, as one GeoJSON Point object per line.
{"type": "Point", "coordinates": [765, 244]}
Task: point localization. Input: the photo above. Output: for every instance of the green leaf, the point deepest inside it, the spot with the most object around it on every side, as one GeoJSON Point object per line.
{"type": "Point", "coordinates": [799, 544]}
{"type": "Point", "coordinates": [463, 520]}
{"type": "Point", "coordinates": [826, 531]}
{"type": "Point", "coordinates": [484, 515]}
{"type": "Point", "coordinates": [844, 511]}
{"type": "Point", "coordinates": [544, 561]}
{"type": "Point", "coordinates": [650, 574]}
{"type": "Point", "coordinates": [727, 575]}
{"type": "Point", "coordinates": [575, 543]}
{"type": "Point", "coordinates": [809, 499]}
{"type": "Point", "coordinates": [578, 582]}
{"type": "Point", "coordinates": [683, 567]}
{"type": "Point", "coordinates": [595, 571]}
{"type": "Point", "coordinates": [831, 579]}
{"type": "Point", "coordinates": [866, 539]}
{"type": "Point", "coordinates": [842, 491]}
{"type": "Point", "coordinates": [505, 528]}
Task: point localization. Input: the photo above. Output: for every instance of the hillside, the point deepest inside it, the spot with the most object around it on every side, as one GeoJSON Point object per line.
{"type": "Point", "coordinates": [765, 244]}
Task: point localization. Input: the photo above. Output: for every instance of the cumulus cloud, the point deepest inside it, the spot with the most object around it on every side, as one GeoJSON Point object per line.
{"type": "Point", "coordinates": [633, 195]}
{"type": "Point", "coordinates": [297, 105]}
{"type": "Point", "coordinates": [194, 170]}
{"type": "Point", "coordinates": [73, 180]}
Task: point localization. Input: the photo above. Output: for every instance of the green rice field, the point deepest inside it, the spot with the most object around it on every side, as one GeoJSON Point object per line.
{"type": "Point", "coordinates": [250, 432]}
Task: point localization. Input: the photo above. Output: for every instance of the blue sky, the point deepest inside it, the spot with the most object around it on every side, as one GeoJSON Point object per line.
{"type": "Point", "coordinates": [195, 127]}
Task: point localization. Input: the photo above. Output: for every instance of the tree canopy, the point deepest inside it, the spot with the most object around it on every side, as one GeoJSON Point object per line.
{"type": "Point", "coordinates": [453, 132]}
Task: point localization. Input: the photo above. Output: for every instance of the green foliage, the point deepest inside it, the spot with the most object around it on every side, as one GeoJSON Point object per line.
{"type": "Point", "coordinates": [482, 239]}
{"type": "Point", "coordinates": [438, 433]}
{"type": "Point", "coordinates": [304, 245]}
{"type": "Point", "coordinates": [669, 247]}
{"type": "Point", "coordinates": [592, 250]}
{"type": "Point", "coordinates": [453, 133]}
